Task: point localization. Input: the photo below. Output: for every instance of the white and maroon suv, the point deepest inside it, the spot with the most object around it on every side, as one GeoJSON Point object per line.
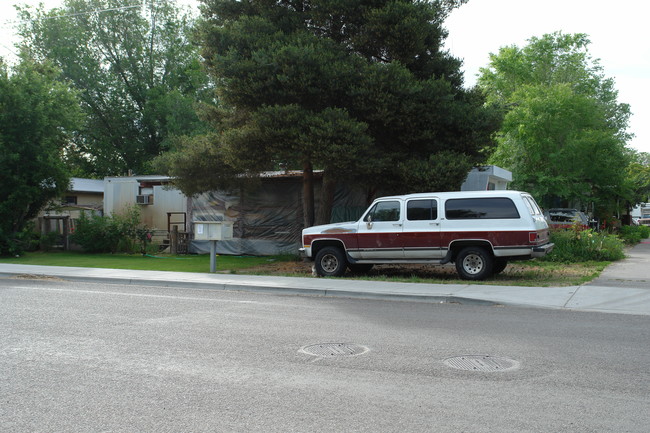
{"type": "Point", "coordinates": [479, 231]}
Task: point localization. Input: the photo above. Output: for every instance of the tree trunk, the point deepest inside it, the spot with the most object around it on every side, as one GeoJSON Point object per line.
{"type": "Point", "coordinates": [308, 194]}
{"type": "Point", "coordinates": [327, 199]}
{"type": "Point", "coordinates": [371, 192]}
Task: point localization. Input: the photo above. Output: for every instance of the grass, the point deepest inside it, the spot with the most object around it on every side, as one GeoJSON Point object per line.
{"type": "Point", "coordinates": [185, 263]}
{"type": "Point", "coordinates": [527, 273]}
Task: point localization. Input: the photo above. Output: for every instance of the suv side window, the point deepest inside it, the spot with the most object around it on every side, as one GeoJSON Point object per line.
{"type": "Point", "coordinates": [480, 208]}
{"type": "Point", "coordinates": [532, 206]}
{"type": "Point", "coordinates": [384, 211]}
{"type": "Point", "coordinates": [422, 210]}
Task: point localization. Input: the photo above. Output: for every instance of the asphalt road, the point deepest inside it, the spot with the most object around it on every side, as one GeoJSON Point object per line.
{"type": "Point", "coordinates": [106, 358]}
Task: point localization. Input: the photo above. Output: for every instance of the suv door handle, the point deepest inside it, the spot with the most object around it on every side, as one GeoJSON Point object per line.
{"type": "Point", "coordinates": [397, 225]}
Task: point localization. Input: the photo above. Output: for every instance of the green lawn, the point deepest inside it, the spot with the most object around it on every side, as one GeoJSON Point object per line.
{"type": "Point", "coordinates": [188, 263]}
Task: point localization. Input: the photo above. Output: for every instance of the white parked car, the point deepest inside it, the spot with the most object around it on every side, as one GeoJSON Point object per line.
{"type": "Point", "coordinates": [479, 231]}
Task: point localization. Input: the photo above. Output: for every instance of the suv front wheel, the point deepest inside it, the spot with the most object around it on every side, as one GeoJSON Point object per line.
{"type": "Point", "coordinates": [330, 262]}
{"type": "Point", "coordinates": [474, 263]}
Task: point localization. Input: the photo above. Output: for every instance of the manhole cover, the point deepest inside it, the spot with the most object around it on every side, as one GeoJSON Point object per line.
{"type": "Point", "coordinates": [331, 350]}
{"type": "Point", "coordinates": [481, 363]}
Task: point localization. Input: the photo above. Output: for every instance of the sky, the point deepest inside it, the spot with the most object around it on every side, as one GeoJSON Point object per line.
{"type": "Point", "coordinates": [481, 27]}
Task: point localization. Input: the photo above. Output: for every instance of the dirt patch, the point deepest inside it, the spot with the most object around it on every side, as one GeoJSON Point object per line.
{"type": "Point", "coordinates": [35, 277]}
{"type": "Point", "coordinates": [518, 273]}
{"type": "Point", "coordinates": [281, 268]}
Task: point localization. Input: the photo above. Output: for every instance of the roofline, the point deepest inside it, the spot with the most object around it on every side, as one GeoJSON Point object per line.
{"type": "Point", "coordinates": [454, 194]}
{"type": "Point", "coordinates": [144, 177]}
{"type": "Point", "coordinates": [76, 182]}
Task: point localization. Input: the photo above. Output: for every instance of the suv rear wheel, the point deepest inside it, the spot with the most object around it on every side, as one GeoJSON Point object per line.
{"type": "Point", "coordinates": [474, 263]}
{"type": "Point", "coordinates": [330, 262]}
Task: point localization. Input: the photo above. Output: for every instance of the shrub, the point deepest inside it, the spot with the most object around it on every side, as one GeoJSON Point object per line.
{"type": "Point", "coordinates": [14, 244]}
{"type": "Point", "coordinates": [634, 234]}
{"type": "Point", "coordinates": [585, 245]}
{"type": "Point", "coordinates": [48, 240]}
{"type": "Point", "coordinates": [645, 231]}
{"type": "Point", "coordinates": [96, 234]}
{"type": "Point", "coordinates": [110, 234]}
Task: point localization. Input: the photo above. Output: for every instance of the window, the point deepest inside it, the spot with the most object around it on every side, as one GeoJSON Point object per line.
{"type": "Point", "coordinates": [480, 208]}
{"type": "Point", "coordinates": [529, 205]}
{"type": "Point", "coordinates": [383, 211]}
{"type": "Point", "coordinates": [422, 210]}
{"type": "Point", "coordinates": [70, 199]}
{"type": "Point", "coordinates": [532, 206]}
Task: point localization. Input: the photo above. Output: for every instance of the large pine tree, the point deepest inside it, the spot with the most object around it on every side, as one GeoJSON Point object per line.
{"type": "Point", "coordinates": [358, 88]}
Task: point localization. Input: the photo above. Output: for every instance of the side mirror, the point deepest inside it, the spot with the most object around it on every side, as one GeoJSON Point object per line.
{"type": "Point", "coordinates": [369, 222]}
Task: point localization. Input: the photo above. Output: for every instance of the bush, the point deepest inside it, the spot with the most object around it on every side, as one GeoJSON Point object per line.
{"type": "Point", "coordinates": [14, 244]}
{"type": "Point", "coordinates": [586, 245]}
{"type": "Point", "coordinates": [49, 240]}
{"type": "Point", "coordinates": [634, 234]}
{"type": "Point", "coordinates": [111, 234]}
{"type": "Point", "coordinates": [645, 232]}
{"type": "Point", "coordinates": [96, 234]}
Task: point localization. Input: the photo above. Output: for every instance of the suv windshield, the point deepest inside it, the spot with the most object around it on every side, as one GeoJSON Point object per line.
{"type": "Point", "coordinates": [383, 211]}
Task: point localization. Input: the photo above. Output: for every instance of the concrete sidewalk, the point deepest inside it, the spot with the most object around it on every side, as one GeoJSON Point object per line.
{"type": "Point", "coordinates": [624, 287]}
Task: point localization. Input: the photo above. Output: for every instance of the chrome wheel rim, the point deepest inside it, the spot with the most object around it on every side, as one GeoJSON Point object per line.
{"type": "Point", "coordinates": [329, 263]}
{"type": "Point", "coordinates": [473, 264]}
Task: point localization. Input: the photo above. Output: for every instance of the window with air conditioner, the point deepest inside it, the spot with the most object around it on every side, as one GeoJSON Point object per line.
{"type": "Point", "coordinates": [144, 199]}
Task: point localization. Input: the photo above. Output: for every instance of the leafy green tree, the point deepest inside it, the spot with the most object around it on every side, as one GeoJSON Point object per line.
{"type": "Point", "coordinates": [564, 133]}
{"type": "Point", "coordinates": [38, 115]}
{"type": "Point", "coordinates": [557, 144]}
{"type": "Point", "coordinates": [637, 182]}
{"type": "Point", "coordinates": [360, 89]}
{"type": "Point", "coordinates": [138, 75]}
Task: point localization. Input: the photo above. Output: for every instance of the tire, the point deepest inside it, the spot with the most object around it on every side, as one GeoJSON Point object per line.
{"type": "Point", "coordinates": [330, 262]}
{"type": "Point", "coordinates": [474, 263]}
{"type": "Point", "coordinates": [499, 266]}
{"type": "Point", "coordinates": [360, 268]}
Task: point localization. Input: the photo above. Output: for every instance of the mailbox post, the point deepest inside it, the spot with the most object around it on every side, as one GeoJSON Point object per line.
{"type": "Point", "coordinates": [212, 231]}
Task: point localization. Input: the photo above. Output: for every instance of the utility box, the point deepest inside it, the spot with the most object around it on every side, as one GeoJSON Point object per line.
{"type": "Point", "coordinates": [212, 230]}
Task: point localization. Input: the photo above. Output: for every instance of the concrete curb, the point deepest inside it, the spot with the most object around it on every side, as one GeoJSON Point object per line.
{"type": "Point", "coordinates": [268, 289]}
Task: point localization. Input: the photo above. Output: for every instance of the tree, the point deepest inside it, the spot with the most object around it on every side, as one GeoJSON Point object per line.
{"type": "Point", "coordinates": [637, 182]}
{"type": "Point", "coordinates": [38, 115]}
{"type": "Point", "coordinates": [360, 89]}
{"type": "Point", "coordinates": [138, 76]}
{"type": "Point", "coordinates": [564, 133]}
